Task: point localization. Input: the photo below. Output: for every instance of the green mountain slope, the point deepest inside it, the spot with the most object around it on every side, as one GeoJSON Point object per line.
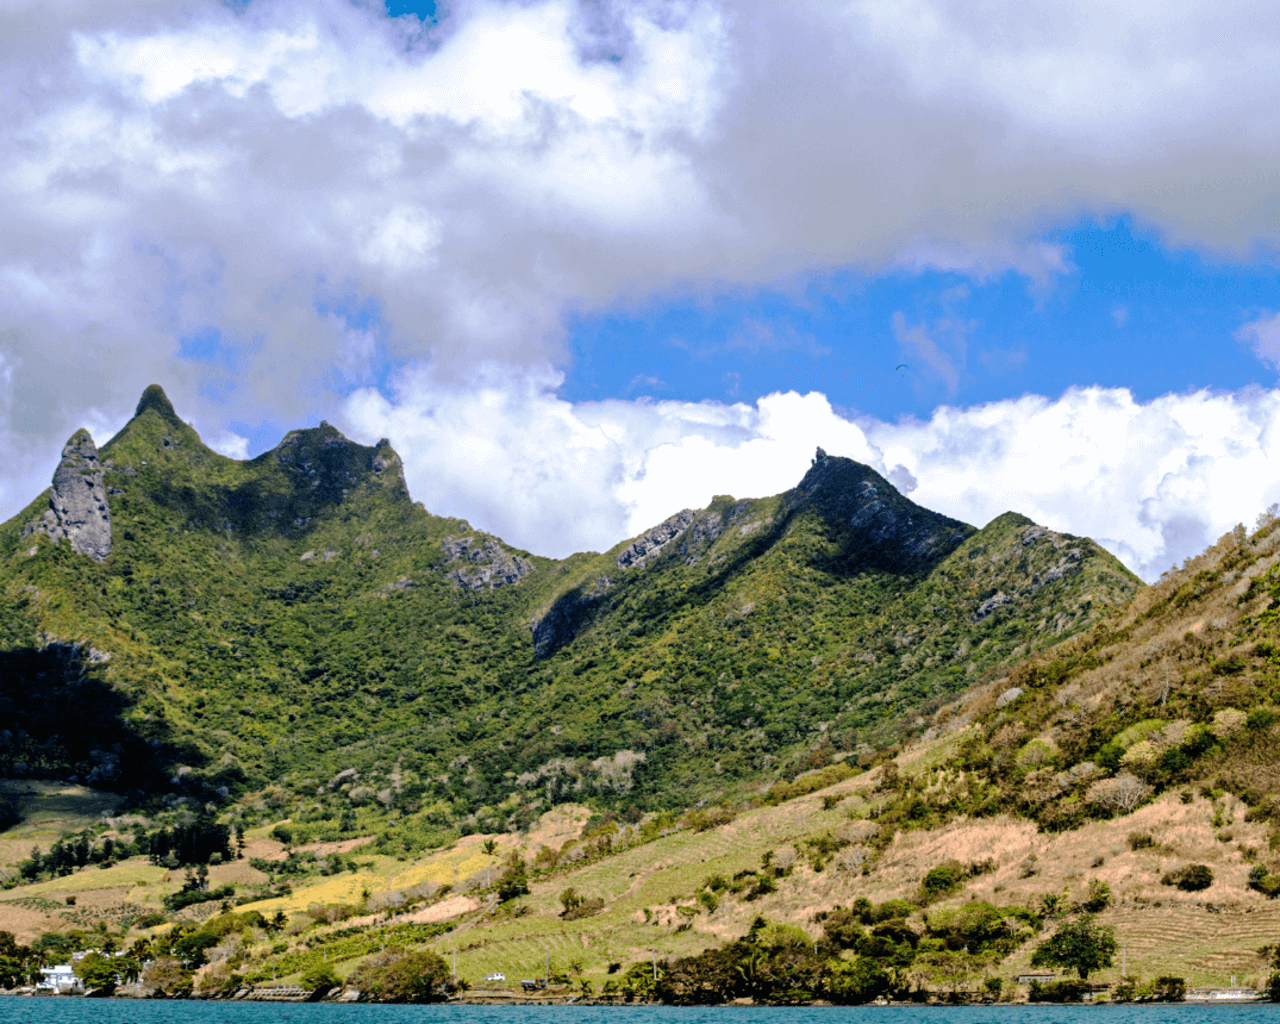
{"type": "Point", "coordinates": [1175, 691]}
{"type": "Point", "coordinates": [297, 622]}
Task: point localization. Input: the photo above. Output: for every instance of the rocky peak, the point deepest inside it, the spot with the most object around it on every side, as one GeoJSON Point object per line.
{"type": "Point", "coordinates": [881, 527]}
{"type": "Point", "coordinates": [326, 466]}
{"type": "Point", "coordinates": [78, 508]}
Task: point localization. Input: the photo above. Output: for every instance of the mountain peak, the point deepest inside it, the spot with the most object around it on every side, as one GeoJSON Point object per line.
{"type": "Point", "coordinates": [879, 527]}
{"type": "Point", "coordinates": [155, 398]}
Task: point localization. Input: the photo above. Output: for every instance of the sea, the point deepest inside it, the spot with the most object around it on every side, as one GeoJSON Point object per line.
{"type": "Point", "coordinates": [18, 1010]}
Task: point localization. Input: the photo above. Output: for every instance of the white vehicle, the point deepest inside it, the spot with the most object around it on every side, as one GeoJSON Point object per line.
{"type": "Point", "coordinates": [495, 976]}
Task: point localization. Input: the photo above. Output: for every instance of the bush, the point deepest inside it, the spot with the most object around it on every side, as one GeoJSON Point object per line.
{"type": "Point", "coordinates": [420, 977]}
{"type": "Point", "coordinates": [588, 907]}
{"type": "Point", "coordinates": [1098, 897]}
{"type": "Point", "coordinates": [1192, 878]}
{"type": "Point", "coordinates": [1261, 881]}
{"type": "Point", "coordinates": [1168, 989]}
{"type": "Point", "coordinates": [320, 976]}
{"type": "Point", "coordinates": [939, 882]}
{"type": "Point", "coordinates": [1069, 990]}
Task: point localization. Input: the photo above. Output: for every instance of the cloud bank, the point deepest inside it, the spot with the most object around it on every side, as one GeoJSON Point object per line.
{"type": "Point", "coordinates": [278, 206]}
{"type": "Point", "coordinates": [1153, 482]}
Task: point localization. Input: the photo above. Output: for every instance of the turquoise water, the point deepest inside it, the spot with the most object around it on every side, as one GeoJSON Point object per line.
{"type": "Point", "coordinates": [125, 1011]}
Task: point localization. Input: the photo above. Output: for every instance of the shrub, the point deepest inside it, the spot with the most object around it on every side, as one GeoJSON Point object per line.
{"type": "Point", "coordinates": [320, 976]}
{"type": "Point", "coordinates": [1098, 897]}
{"type": "Point", "coordinates": [1192, 878]}
{"type": "Point", "coordinates": [1261, 881]}
{"type": "Point", "coordinates": [1168, 989]}
{"type": "Point", "coordinates": [1261, 718]}
{"type": "Point", "coordinates": [1069, 990]}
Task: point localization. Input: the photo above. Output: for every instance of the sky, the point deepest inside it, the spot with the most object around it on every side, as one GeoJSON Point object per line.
{"type": "Point", "coordinates": [587, 262]}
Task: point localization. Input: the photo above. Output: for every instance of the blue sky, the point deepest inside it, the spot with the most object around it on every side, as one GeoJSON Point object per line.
{"type": "Point", "coordinates": [587, 262]}
{"type": "Point", "coordinates": [1129, 313]}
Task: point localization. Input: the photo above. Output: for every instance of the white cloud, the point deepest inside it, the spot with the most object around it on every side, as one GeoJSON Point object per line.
{"type": "Point", "coordinates": [1153, 482]}
{"type": "Point", "coordinates": [273, 171]}
{"type": "Point", "coordinates": [1263, 336]}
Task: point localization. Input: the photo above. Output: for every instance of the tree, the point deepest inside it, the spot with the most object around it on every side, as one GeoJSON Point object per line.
{"type": "Point", "coordinates": [419, 977]}
{"type": "Point", "coordinates": [320, 976]}
{"type": "Point", "coordinates": [96, 971]}
{"type": "Point", "coordinates": [168, 975]}
{"type": "Point", "coordinates": [851, 982]}
{"type": "Point", "coordinates": [1123, 793]}
{"type": "Point", "coordinates": [13, 960]}
{"type": "Point", "coordinates": [570, 899]}
{"type": "Point", "coordinates": [1082, 945]}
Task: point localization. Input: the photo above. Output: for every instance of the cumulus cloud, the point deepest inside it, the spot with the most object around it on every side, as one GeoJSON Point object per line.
{"type": "Point", "coordinates": [1153, 482]}
{"type": "Point", "coordinates": [336, 196]}
{"type": "Point", "coordinates": [172, 170]}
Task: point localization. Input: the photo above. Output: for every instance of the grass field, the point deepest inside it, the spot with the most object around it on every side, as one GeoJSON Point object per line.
{"type": "Point", "coordinates": [648, 890]}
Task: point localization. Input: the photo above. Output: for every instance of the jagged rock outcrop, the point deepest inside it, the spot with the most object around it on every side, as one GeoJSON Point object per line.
{"type": "Point", "coordinates": [700, 535]}
{"type": "Point", "coordinates": [486, 563]}
{"type": "Point", "coordinates": [647, 545]}
{"type": "Point", "coordinates": [78, 508]}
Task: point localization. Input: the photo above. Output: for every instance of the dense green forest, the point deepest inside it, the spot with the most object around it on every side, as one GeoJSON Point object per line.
{"type": "Point", "coordinates": [295, 625]}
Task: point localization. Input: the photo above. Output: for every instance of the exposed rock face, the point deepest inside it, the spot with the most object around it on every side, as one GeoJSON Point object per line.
{"type": "Point", "coordinates": [704, 532]}
{"type": "Point", "coordinates": [644, 547]}
{"type": "Point", "coordinates": [78, 508]}
{"type": "Point", "coordinates": [486, 563]}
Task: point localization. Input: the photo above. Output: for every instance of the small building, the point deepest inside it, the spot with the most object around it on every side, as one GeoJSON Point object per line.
{"type": "Point", "coordinates": [59, 980]}
{"type": "Point", "coordinates": [1038, 977]}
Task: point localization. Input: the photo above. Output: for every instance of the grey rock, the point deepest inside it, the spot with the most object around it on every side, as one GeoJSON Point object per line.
{"type": "Point", "coordinates": [647, 545]}
{"type": "Point", "coordinates": [78, 508]}
{"type": "Point", "coordinates": [703, 532]}
{"type": "Point", "coordinates": [992, 604]}
{"type": "Point", "coordinates": [486, 564]}
{"type": "Point", "coordinates": [1009, 696]}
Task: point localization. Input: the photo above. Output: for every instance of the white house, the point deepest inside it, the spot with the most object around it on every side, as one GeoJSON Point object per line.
{"type": "Point", "coordinates": [60, 979]}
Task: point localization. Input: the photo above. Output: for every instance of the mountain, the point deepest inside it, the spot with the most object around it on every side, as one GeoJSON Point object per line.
{"type": "Point", "coordinates": [294, 626]}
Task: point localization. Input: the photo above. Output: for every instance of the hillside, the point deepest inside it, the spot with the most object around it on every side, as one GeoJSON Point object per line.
{"type": "Point", "coordinates": [297, 622]}
{"type": "Point", "coordinates": [1126, 771]}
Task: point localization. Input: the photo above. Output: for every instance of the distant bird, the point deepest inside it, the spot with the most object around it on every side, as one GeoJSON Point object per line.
{"type": "Point", "coordinates": [901, 366]}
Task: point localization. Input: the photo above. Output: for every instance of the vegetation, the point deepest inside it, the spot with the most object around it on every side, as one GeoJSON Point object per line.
{"type": "Point", "coordinates": [295, 627]}
{"type": "Point", "coordinates": [287, 650]}
{"type": "Point", "coordinates": [1082, 945]}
